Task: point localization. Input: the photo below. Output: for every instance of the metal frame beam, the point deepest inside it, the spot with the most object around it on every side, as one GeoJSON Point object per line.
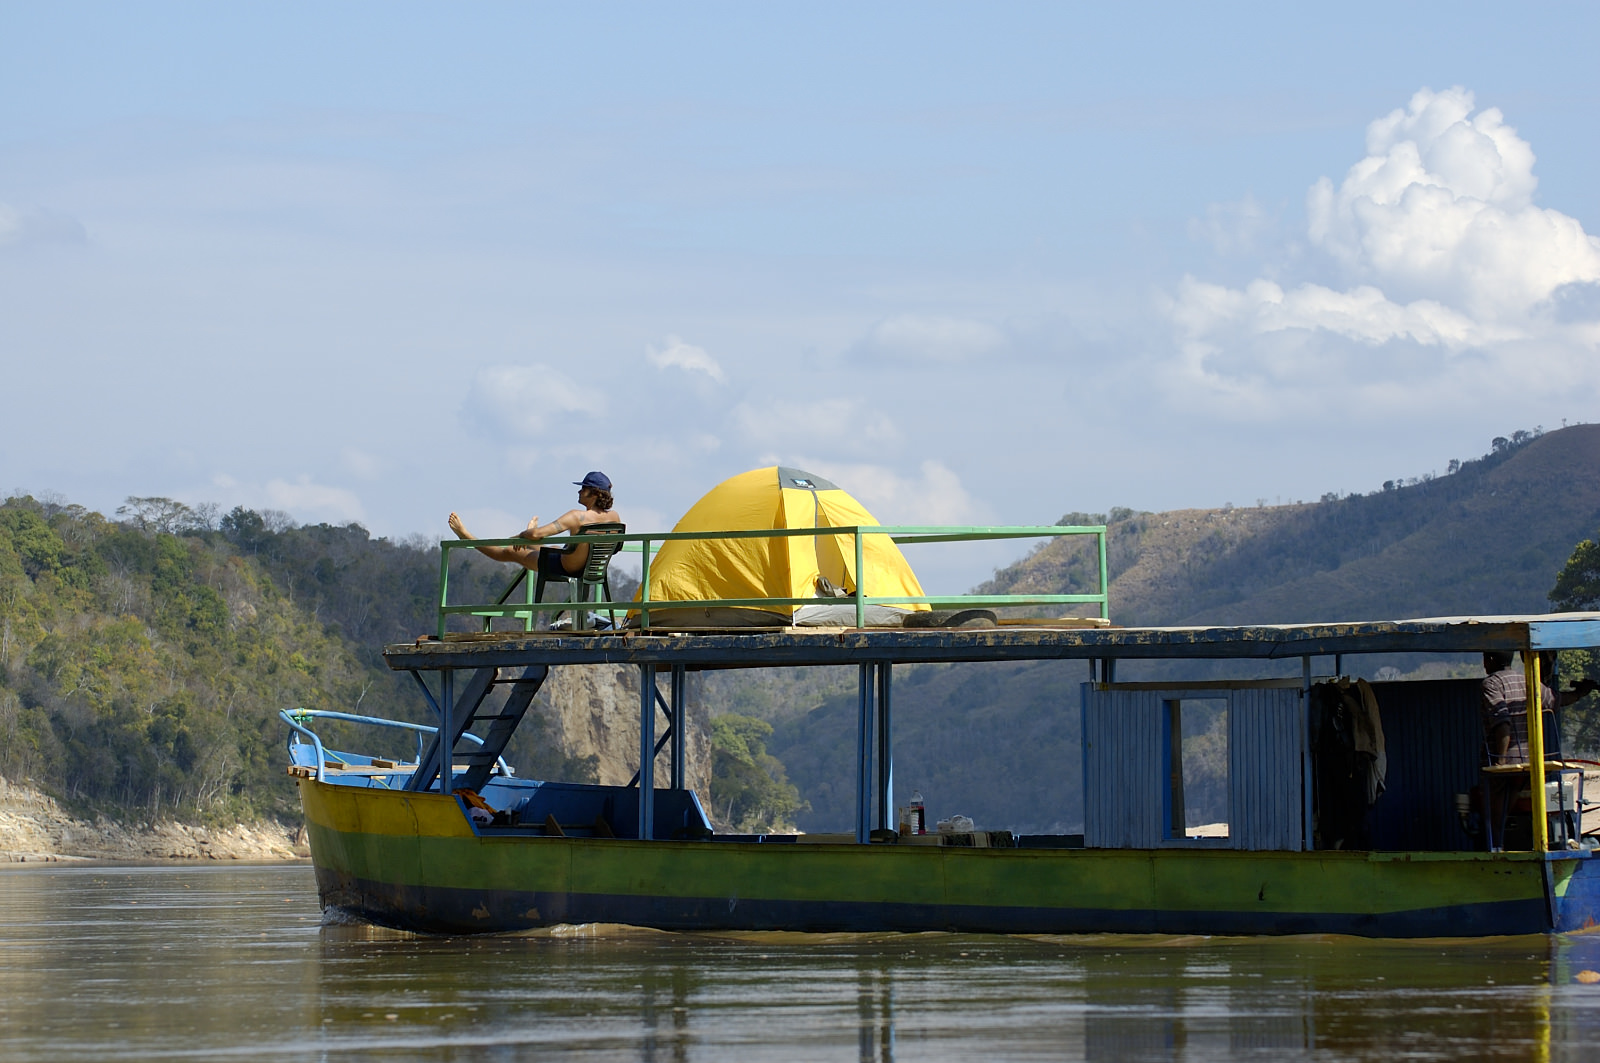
{"type": "Point", "coordinates": [1536, 775]}
{"type": "Point", "coordinates": [446, 743]}
{"type": "Point", "coordinates": [784, 647]}
{"type": "Point", "coordinates": [885, 750]}
{"type": "Point", "coordinates": [647, 751]}
{"type": "Point", "coordinates": [864, 714]}
{"type": "Point", "coordinates": [680, 734]}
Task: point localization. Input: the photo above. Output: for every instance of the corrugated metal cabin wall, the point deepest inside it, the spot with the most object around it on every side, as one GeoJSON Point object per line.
{"type": "Point", "coordinates": [1266, 769]}
{"type": "Point", "coordinates": [1123, 776]}
{"type": "Point", "coordinates": [1434, 740]}
{"type": "Point", "coordinates": [1126, 774]}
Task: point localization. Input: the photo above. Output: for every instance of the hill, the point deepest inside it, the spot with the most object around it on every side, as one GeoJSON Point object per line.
{"type": "Point", "coordinates": [143, 661]}
{"type": "Point", "coordinates": [1000, 742]}
{"type": "Point", "coordinates": [1487, 538]}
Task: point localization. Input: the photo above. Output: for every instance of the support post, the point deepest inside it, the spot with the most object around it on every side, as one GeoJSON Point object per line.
{"type": "Point", "coordinates": [864, 756]}
{"type": "Point", "coordinates": [644, 585]}
{"type": "Point", "coordinates": [861, 584]}
{"type": "Point", "coordinates": [529, 585]}
{"type": "Point", "coordinates": [680, 736]}
{"type": "Point", "coordinates": [1105, 580]}
{"type": "Point", "coordinates": [647, 751]}
{"type": "Point", "coordinates": [1535, 703]}
{"type": "Point", "coordinates": [447, 748]}
{"type": "Point", "coordinates": [885, 751]}
{"type": "Point", "coordinates": [1308, 796]}
{"type": "Point", "coordinates": [444, 587]}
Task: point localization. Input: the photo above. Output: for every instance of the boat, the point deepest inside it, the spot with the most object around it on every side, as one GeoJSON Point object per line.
{"type": "Point", "coordinates": [453, 841]}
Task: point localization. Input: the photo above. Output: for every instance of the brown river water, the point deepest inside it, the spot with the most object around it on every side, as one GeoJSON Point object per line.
{"type": "Point", "coordinates": [209, 962]}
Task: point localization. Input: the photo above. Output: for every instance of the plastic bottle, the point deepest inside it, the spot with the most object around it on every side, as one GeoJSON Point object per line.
{"type": "Point", "coordinates": [919, 814]}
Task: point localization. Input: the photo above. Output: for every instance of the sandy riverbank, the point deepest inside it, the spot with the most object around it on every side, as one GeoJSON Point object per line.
{"type": "Point", "coordinates": [33, 827]}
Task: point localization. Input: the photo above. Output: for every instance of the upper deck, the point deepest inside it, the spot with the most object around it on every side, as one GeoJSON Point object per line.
{"type": "Point", "coordinates": [1012, 641]}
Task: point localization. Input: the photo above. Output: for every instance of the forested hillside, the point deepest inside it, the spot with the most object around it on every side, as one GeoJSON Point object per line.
{"type": "Point", "coordinates": [143, 661]}
{"type": "Point", "coordinates": [1000, 743]}
{"type": "Point", "coordinates": [1486, 538]}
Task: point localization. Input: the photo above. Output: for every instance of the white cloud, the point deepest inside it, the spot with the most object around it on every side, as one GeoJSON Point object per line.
{"type": "Point", "coordinates": [1442, 208]}
{"type": "Point", "coordinates": [932, 495]}
{"type": "Point", "coordinates": [838, 421]}
{"type": "Point", "coordinates": [1362, 313]}
{"type": "Point", "coordinates": [680, 355]}
{"type": "Point", "coordinates": [317, 501]}
{"type": "Point", "coordinates": [932, 338]}
{"type": "Point", "coordinates": [1459, 275]}
{"type": "Point", "coordinates": [526, 400]}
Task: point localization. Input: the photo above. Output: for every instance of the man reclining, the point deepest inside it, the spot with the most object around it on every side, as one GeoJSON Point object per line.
{"type": "Point", "coordinates": [552, 562]}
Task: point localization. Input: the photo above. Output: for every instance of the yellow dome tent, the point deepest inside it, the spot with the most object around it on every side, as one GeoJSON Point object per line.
{"type": "Point", "coordinates": [779, 567]}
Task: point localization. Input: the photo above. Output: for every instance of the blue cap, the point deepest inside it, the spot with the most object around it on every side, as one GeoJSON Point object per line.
{"type": "Point", "coordinates": [597, 480]}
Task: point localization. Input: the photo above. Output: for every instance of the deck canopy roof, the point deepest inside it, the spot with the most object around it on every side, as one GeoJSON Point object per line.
{"type": "Point", "coordinates": [1014, 641]}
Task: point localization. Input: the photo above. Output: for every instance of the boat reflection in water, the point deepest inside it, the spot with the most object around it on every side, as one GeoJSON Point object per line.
{"type": "Point", "coordinates": [797, 996]}
{"type": "Point", "coordinates": [207, 962]}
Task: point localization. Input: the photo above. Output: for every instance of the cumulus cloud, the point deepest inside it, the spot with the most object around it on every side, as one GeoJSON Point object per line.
{"type": "Point", "coordinates": [933, 338]}
{"type": "Point", "coordinates": [1447, 253]}
{"type": "Point", "coordinates": [1442, 208]}
{"type": "Point", "coordinates": [304, 498]}
{"type": "Point", "coordinates": [677, 354]}
{"type": "Point", "coordinates": [524, 401]}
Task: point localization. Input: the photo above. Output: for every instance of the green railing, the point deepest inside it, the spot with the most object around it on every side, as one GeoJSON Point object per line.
{"type": "Point", "coordinates": [643, 544]}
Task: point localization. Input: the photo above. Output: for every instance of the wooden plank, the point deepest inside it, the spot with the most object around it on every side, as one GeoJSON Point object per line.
{"type": "Point", "coordinates": [797, 646]}
{"type": "Point", "coordinates": [1522, 769]}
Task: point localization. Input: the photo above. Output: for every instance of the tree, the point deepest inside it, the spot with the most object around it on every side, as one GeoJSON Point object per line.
{"type": "Point", "coordinates": [156, 514]}
{"type": "Point", "coordinates": [1577, 586]}
{"type": "Point", "coordinates": [748, 784]}
{"type": "Point", "coordinates": [1577, 589]}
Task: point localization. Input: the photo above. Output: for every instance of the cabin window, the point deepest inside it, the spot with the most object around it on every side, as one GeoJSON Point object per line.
{"type": "Point", "coordinates": [1197, 768]}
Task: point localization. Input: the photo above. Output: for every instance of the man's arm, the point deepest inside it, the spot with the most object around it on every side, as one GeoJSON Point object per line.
{"type": "Point", "coordinates": [1583, 689]}
{"type": "Point", "coordinates": [569, 522]}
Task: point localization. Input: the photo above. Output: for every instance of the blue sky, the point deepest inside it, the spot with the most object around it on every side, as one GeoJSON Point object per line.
{"type": "Point", "coordinates": [975, 263]}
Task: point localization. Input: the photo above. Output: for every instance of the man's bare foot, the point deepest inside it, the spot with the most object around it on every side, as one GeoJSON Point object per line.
{"type": "Point", "coordinates": [459, 528]}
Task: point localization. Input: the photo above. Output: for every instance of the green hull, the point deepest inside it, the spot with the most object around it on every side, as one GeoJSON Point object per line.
{"type": "Point", "coordinates": [413, 861]}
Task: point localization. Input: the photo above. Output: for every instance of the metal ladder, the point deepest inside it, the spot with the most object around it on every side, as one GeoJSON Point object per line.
{"type": "Point", "coordinates": [464, 714]}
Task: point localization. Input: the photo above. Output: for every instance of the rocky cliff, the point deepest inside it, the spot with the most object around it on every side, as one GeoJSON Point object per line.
{"type": "Point", "coordinates": [33, 827]}
{"type": "Point", "coordinates": [593, 711]}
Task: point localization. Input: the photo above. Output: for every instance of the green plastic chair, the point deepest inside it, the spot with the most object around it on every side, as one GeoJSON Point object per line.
{"type": "Point", "coordinates": [593, 580]}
